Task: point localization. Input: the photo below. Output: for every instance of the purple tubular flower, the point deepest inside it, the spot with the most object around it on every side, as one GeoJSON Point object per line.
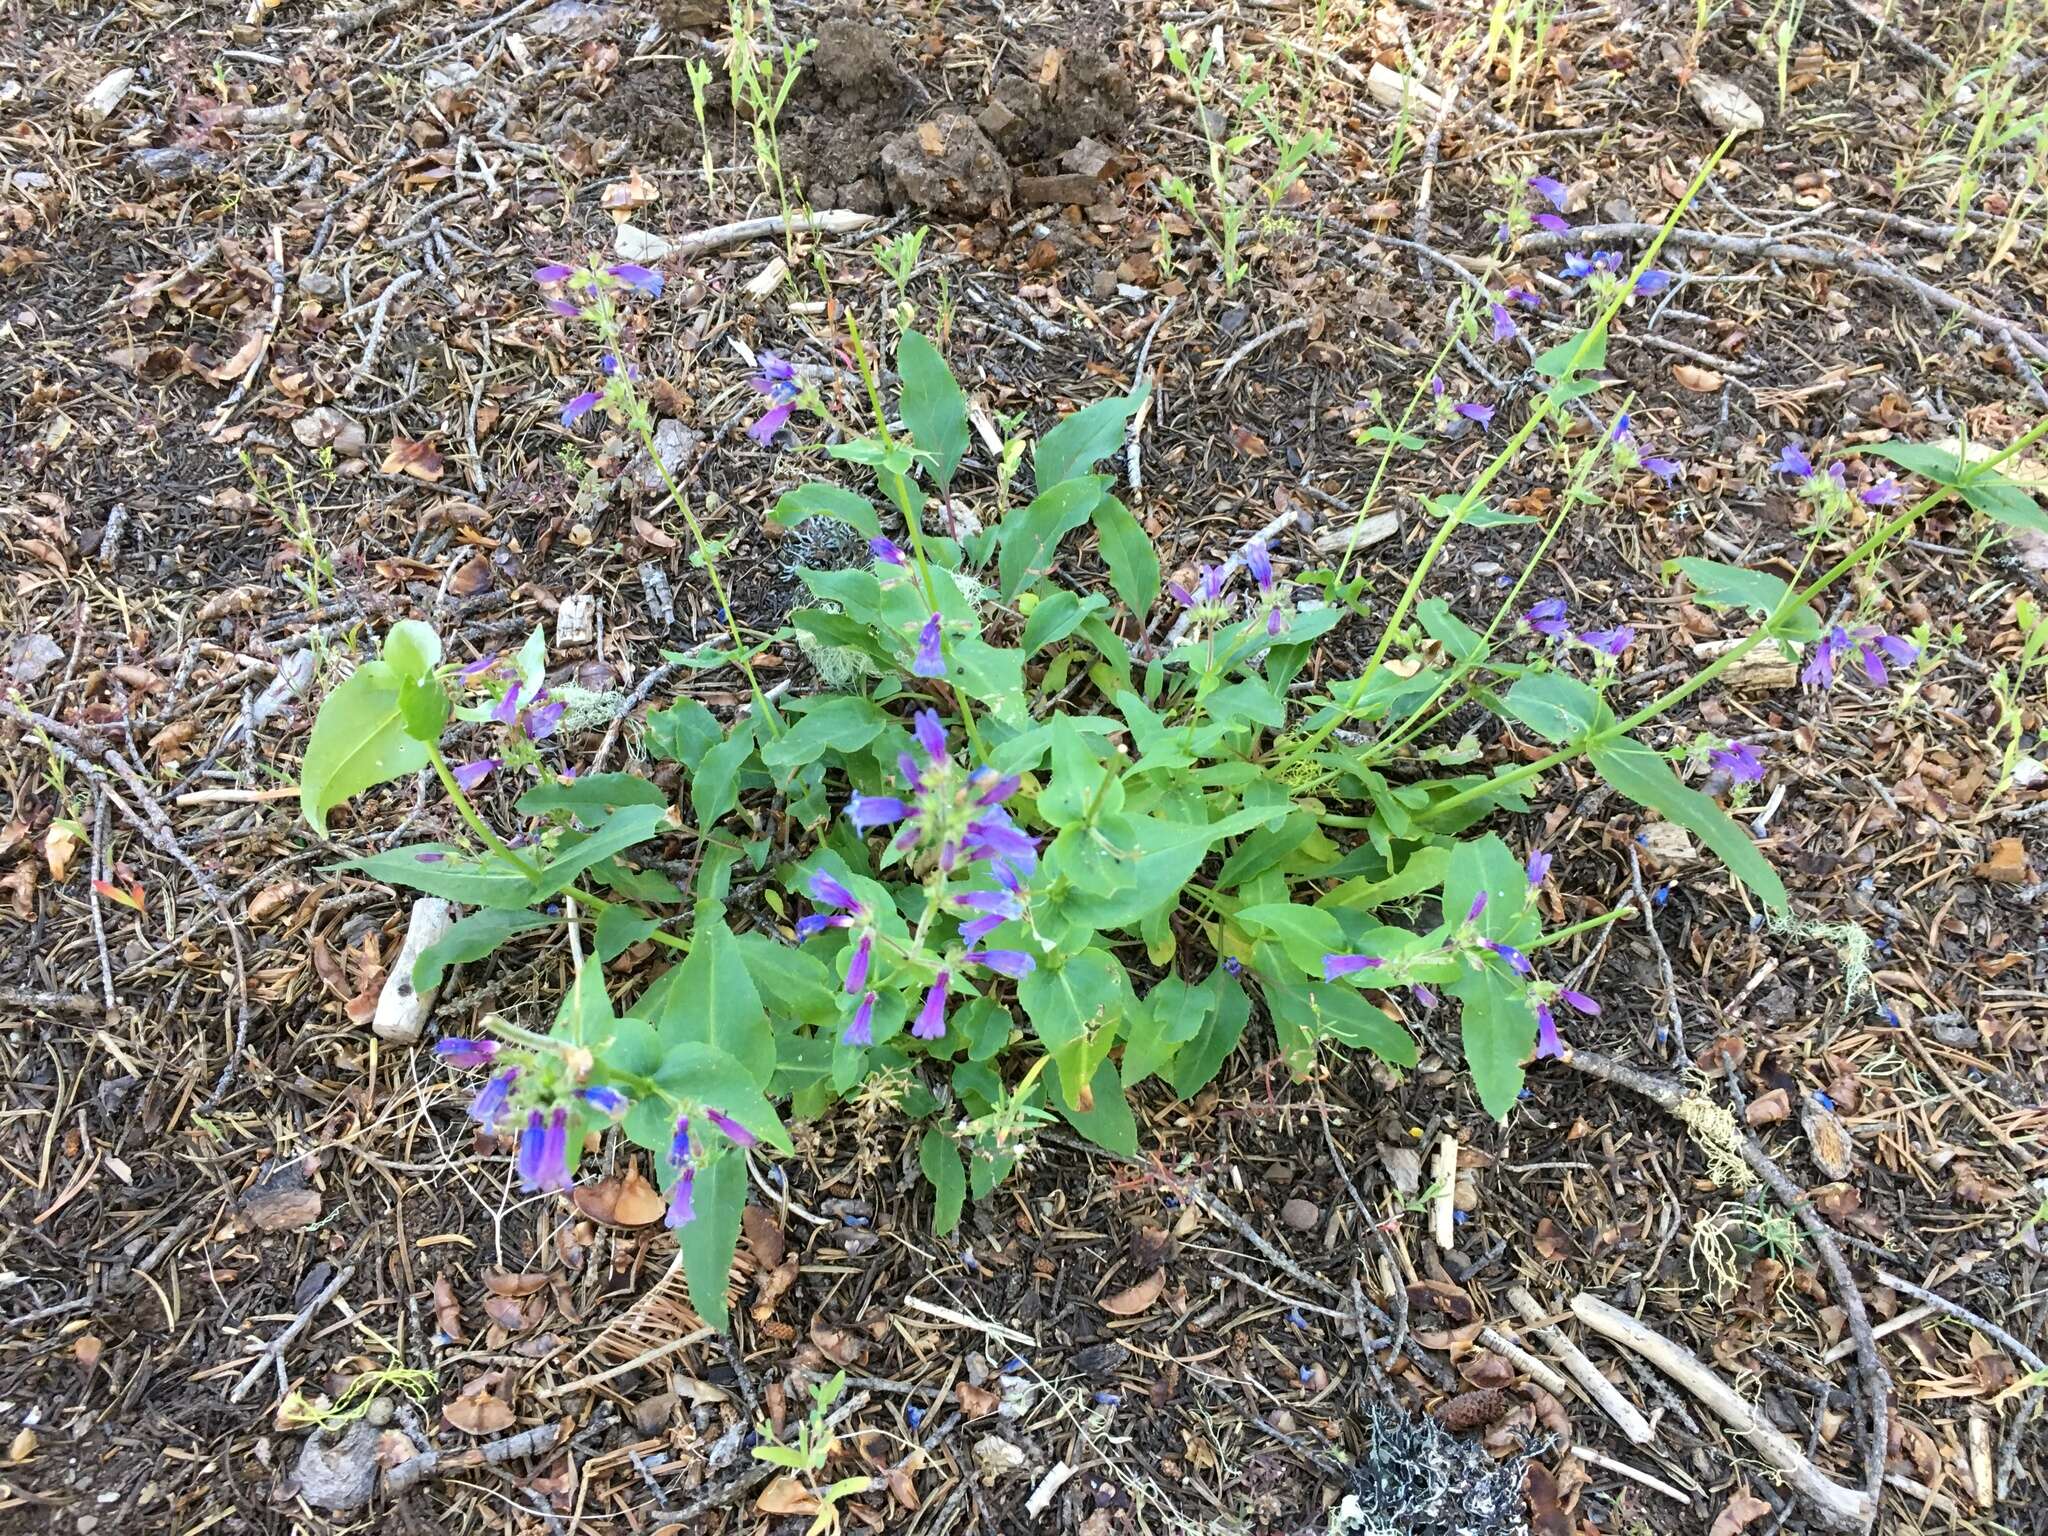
{"type": "Point", "coordinates": [1578, 264]}
{"type": "Point", "coordinates": [930, 660]}
{"type": "Point", "coordinates": [565, 309]}
{"type": "Point", "coordinates": [1792, 460]}
{"type": "Point", "coordinates": [1551, 190]}
{"type": "Point", "coordinates": [1423, 995]}
{"type": "Point", "coordinates": [1820, 667]}
{"type": "Point", "coordinates": [458, 1052]}
{"type": "Point", "coordinates": [862, 1030]}
{"type": "Point", "coordinates": [489, 1105]}
{"type": "Point", "coordinates": [735, 1133]}
{"type": "Point", "coordinates": [1653, 282]}
{"type": "Point", "coordinates": [1739, 761]}
{"type": "Point", "coordinates": [1260, 564]}
{"type": "Point", "coordinates": [857, 967]}
{"type": "Point", "coordinates": [1336, 966]}
{"type": "Point", "coordinates": [1275, 623]}
{"type": "Point", "coordinates": [1578, 1000]}
{"type": "Point", "coordinates": [645, 279]}
{"type": "Point", "coordinates": [1874, 647]}
{"type": "Point", "coordinates": [507, 709]}
{"type": "Point", "coordinates": [542, 718]}
{"type": "Point", "coordinates": [682, 1200]}
{"type": "Point", "coordinates": [930, 731]}
{"type": "Point", "coordinates": [606, 1101]}
{"type": "Point", "coordinates": [1013, 963]}
{"type": "Point", "coordinates": [1538, 867]}
{"type": "Point", "coordinates": [1516, 960]}
{"type": "Point", "coordinates": [576, 407]}
{"type": "Point", "coordinates": [543, 1159]}
{"type": "Point", "coordinates": [1547, 617]}
{"type": "Point", "coordinates": [1483, 414]}
{"type": "Point", "coordinates": [1233, 965]}
{"type": "Point", "coordinates": [994, 788]}
{"type": "Point", "coordinates": [1882, 494]}
{"type": "Point", "coordinates": [810, 927]}
{"type": "Point", "coordinates": [988, 838]}
{"type": "Point", "coordinates": [931, 1019]}
{"type": "Point", "coordinates": [1552, 223]}
{"type": "Point", "coordinates": [823, 887]}
{"type": "Point", "coordinates": [553, 272]}
{"type": "Point", "coordinates": [976, 929]}
{"type": "Point", "coordinates": [1527, 298]}
{"type": "Point", "coordinates": [1478, 906]}
{"type": "Point", "coordinates": [869, 811]}
{"type": "Point", "coordinates": [1180, 594]}
{"type": "Point", "coordinates": [483, 666]}
{"type": "Point", "coordinates": [1620, 428]}
{"type": "Point", "coordinates": [468, 775]}
{"type": "Point", "coordinates": [532, 1140]}
{"type": "Point", "coordinates": [1504, 327]}
{"type": "Point", "coordinates": [1666, 470]}
{"type": "Point", "coordinates": [1608, 642]}
{"type": "Point", "coordinates": [679, 1145]}
{"type": "Point", "coordinates": [885, 550]}
{"type": "Point", "coordinates": [1547, 1043]}
{"type": "Point", "coordinates": [772, 421]}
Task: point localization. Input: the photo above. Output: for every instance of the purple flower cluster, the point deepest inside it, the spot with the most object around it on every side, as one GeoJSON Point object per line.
{"type": "Point", "coordinates": [1869, 644]}
{"type": "Point", "coordinates": [543, 1123]}
{"type": "Point", "coordinates": [1621, 437]}
{"type": "Point", "coordinates": [778, 382]}
{"type": "Point", "coordinates": [1547, 618]}
{"type": "Point", "coordinates": [1741, 762]}
{"type": "Point", "coordinates": [1795, 462]}
{"type": "Point", "coordinates": [682, 1198]}
{"type": "Point", "coordinates": [536, 719]}
{"type": "Point", "coordinates": [591, 281]}
{"type": "Point", "coordinates": [1446, 409]}
{"type": "Point", "coordinates": [1607, 267]}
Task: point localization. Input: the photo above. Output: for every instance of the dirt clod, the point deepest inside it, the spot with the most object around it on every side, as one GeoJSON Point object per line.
{"type": "Point", "coordinates": [946, 166]}
{"type": "Point", "coordinates": [1301, 1214]}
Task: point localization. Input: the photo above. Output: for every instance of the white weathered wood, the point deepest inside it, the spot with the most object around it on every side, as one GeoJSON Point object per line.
{"type": "Point", "coordinates": [1625, 1414]}
{"type": "Point", "coordinates": [401, 1010]}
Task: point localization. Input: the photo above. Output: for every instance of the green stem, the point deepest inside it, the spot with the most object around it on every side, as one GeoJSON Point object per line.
{"type": "Point", "coordinates": [1570, 930]}
{"type": "Point", "coordinates": [475, 823]}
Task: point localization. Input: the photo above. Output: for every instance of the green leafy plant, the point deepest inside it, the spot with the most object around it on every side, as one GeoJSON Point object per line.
{"type": "Point", "coordinates": [761, 75]}
{"type": "Point", "coordinates": [1016, 865]}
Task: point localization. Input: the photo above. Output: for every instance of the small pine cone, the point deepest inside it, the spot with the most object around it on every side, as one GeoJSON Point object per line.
{"type": "Point", "coordinates": [1469, 1410]}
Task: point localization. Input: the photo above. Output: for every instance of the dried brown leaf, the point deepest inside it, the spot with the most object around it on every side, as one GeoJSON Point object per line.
{"type": "Point", "coordinates": [624, 1200]}
{"type": "Point", "coordinates": [1742, 1509]}
{"type": "Point", "coordinates": [1134, 1299]}
{"type": "Point", "coordinates": [786, 1496]}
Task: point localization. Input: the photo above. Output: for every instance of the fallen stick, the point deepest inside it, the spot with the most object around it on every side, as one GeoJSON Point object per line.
{"type": "Point", "coordinates": [833, 221]}
{"type": "Point", "coordinates": [1838, 1508]}
{"type": "Point", "coordinates": [528, 1442]}
{"type": "Point", "coordinates": [293, 1329]}
{"type": "Point", "coordinates": [1586, 1453]}
{"type": "Point", "coordinates": [1602, 1391]}
{"type": "Point", "coordinates": [1504, 1345]}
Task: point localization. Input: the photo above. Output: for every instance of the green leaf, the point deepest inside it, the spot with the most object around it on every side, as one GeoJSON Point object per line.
{"type": "Point", "coordinates": [1161, 856]}
{"type": "Point", "coordinates": [1460, 640]}
{"type": "Point", "coordinates": [1080, 781]}
{"type": "Point", "coordinates": [618, 930]}
{"type": "Point", "coordinates": [1582, 352]}
{"type": "Point", "coordinates": [1647, 779]}
{"type": "Point", "coordinates": [1074, 1009]}
{"type": "Point", "coordinates": [1080, 442]}
{"type": "Point", "coordinates": [425, 705]}
{"type": "Point", "coordinates": [1423, 871]}
{"type": "Point", "coordinates": [615, 833]}
{"type": "Point", "coordinates": [585, 1016]}
{"type": "Point", "coordinates": [1989, 492]}
{"type": "Point", "coordinates": [412, 649]}
{"type": "Point", "coordinates": [1107, 1121]}
{"type": "Point", "coordinates": [940, 1162]}
{"type": "Point", "coordinates": [709, 1242]}
{"type": "Point", "coordinates": [844, 723]}
{"type": "Point", "coordinates": [359, 741]}
{"type": "Point", "coordinates": [1030, 535]}
{"type": "Point", "coordinates": [449, 873]}
{"type": "Point", "coordinates": [1323, 1010]}
{"type": "Point", "coordinates": [1127, 551]}
{"type": "Point", "coordinates": [1195, 1064]}
{"type": "Point", "coordinates": [818, 499]}
{"type": "Point", "coordinates": [471, 939]}
{"type": "Point", "coordinates": [710, 999]}
{"type": "Point", "coordinates": [590, 797]}
{"type": "Point", "coordinates": [1556, 706]}
{"type": "Point", "coordinates": [682, 733]}
{"type": "Point", "coordinates": [1172, 1014]}
{"type": "Point", "coordinates": [1734, 586]}
{"type": "Point", "coordinates": [933, 406]}
{"type": "Point", "coordinates": [1488, 864]}
{"type": "Point", "coordinates": [715, 786]}
{"type": "Point", "coordinates": [1305, 933]}
{"type": "Point", "coordinates": [1058, 614]}
{"type": "Point", "coordinates": [1479, 515]}
{"type": "Point", "coordinates": [1497, 1031]}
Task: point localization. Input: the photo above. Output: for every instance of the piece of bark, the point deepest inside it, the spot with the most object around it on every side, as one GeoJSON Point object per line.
{"type": "Point", "coordinates": [402, 1009]}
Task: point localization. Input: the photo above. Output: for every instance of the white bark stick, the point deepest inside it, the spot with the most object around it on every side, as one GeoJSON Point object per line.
{"type": "Point", "coordinates": [401, 1011]}
{"type": "Point", "coordinates": [1837, 1507]}
{"type": "Point", "coordinates": [1602, 1391]}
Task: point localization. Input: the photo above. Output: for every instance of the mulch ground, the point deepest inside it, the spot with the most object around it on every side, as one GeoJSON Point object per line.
{"type": "Point", "coordinates": [275, 376]}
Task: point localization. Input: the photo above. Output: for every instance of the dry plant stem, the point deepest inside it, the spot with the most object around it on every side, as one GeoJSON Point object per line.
{"type": "Point", "coordinates": [1812, 256]}
{"type": "Point", "coordinates": [832, 221]}
{"type": "Point", "coordinates": [277, 1346]}
{"type": "Point", "coordinates": [1838, 1508]}
{"type": "Point", "coordinates": [375, 344]}
{"type": "Point", "coordinates": [1594, 1458]}
{"type": "Point", "coordinates": [1875, 1379]}
{"type": "Point", "coordinates": [1511, 1351]}
{"type": "Point", "coordinates": [274, 270]}
{"type": "Point", "coordinates": [1432, 147]}
{"type": "Point", "coordinates": [1649, 911]}
{"type": "Point", "coordinates": [1963, 1314]}
{"type": "Point", "coordinates": [1133, 461]}
{"type": "Point", "coordinates": [1284, 328]}
{"type": "Point", "coordinates": [529, 1442]}
{"type": "Point", "coordinates": [1602, 1391]}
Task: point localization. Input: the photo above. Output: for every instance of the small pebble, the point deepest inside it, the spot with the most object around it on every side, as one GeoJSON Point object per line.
{"type": "Point", "coordinates": [1300, 1214]}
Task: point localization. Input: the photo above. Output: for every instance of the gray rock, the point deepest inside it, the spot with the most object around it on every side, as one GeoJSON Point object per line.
{"type": "Point", "coordinates": [339, 1473]}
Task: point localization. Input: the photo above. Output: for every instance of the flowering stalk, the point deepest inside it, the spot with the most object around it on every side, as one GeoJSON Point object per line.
{"type": "Point", "coordinates": [1768, 630]}
{"type": "Point", "coordinates": [1466, 503]}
